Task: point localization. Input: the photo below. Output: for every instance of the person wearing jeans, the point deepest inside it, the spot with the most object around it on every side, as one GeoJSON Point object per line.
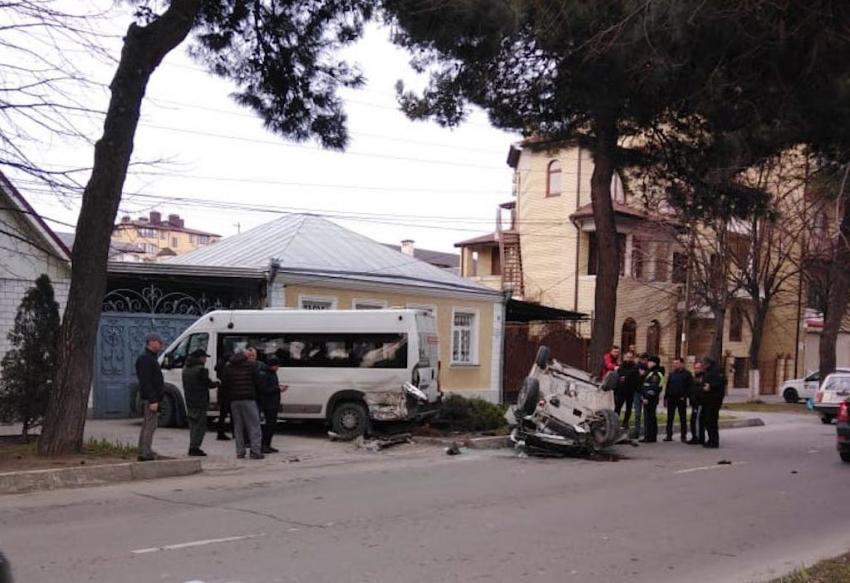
{"type": "Point", "coordinates": [242, 383]}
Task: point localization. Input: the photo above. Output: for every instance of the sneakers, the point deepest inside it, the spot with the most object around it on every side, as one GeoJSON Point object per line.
{"type": "Point", "coordinates": [222, 437]}
{"type": "Point", "coordinates": [146, 458]}
{"type": "Point", "coordinates": [269, 449]}
{"type": "Point", "coordinates": [241, 456]}
{"type": "Point", "coordinates": [257, 456]}
{"type": "Point", "coordinates": [197, 451]}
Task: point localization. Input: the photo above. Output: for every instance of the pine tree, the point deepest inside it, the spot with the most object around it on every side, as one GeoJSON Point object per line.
{"type": "Point", "coordinates": [28, 367]}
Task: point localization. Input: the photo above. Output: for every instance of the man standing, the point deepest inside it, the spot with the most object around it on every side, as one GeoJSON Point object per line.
{"type": "Point", "coordinates": [629, 383]}
{"type": "Point", "coordinates": [151, 390]}
{"type": "Point", "coordinates": [650, 393]}
{"type": "Point", "coordinates": [695, 398]}
{"type": "Point", "coordinates": [713, 391]}
{"type": "Point", "coordinates": [196, 387]}
{"type": "Point", "coordinates": [638, 398]}
{"type": "Point", "coordinates": [242, 385]}
{"type": "Point", "coordinates": [269, 402]}
{"type": "Point", "coordinates": [676, 397]}
{"type": "Point", "coordinates": [609, 362]}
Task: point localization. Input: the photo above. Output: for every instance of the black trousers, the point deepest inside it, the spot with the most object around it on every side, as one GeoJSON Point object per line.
{"type": "Point", "coordinates": [650, 419]}
{"type": "Point", "coordinates": [680, 405]}
{"type": "Point", "coordinates": [697, 427]}
{"type": "Point", "coordinates": [620, 398]}
{"type": "Point", "coordinates": [269, 411]}
{"type": "Point", "coordinates": [711, 420]}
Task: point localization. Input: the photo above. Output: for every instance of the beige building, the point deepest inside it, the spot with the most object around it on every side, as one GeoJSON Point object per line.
{"type": "Point", "coordinates": [543, 251]}
{"type": "Point", "coordinates": [152, 237]}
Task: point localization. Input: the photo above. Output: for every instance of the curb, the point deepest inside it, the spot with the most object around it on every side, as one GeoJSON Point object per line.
{"type": "Point", "coordinates": [737, 423]}
{"type": "Point", "coordinates": [33, 480]}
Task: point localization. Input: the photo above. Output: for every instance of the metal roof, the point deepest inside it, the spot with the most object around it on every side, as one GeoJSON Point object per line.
{"type": "Point", "coordinates": [316, 248]}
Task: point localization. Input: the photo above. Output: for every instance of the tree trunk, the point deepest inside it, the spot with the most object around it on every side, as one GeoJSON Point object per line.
{"type": "Point", "coordinates": [608, 270]}
{"type": "Point", "coordinates": [144, 48]}
{"type": "Point", "coordinates": [759, 317]}
{"type": "Point", "coordinates": [836, 303]}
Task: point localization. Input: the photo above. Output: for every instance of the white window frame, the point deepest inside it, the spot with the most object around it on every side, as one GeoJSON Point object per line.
{"type": "Point", "coordinates": [361, 304]}
{"type": "Point", "coordinates": [151, 248]}
{"type": "Point", "coordinates": [302, 299]}
{"type": "Point", "coordinates": [475, 333]}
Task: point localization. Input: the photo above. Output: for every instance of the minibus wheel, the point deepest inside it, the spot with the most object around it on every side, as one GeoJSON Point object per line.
{"type": "Point", "coordinates": [349, 419]}
{"type": "Point", "coordinates": [167, 412]}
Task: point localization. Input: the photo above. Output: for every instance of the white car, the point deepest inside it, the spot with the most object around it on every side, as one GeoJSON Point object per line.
{"type": "Point", "coordinates": [834, 390]}
{"type": "Point", "coordinates": [795, 389]}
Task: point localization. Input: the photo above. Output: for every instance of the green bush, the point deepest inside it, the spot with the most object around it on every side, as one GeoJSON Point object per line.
{"type": "Point", "coordinates": [473, 414]}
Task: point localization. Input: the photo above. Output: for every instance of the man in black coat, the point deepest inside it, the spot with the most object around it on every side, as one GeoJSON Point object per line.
{"type": "Point", "coordinates": [629, 383]}
{"type": "Point", "coordinates": [679, 383]}
{"type": "Point", "coordinates": [151, 391]}
{"type": "Point", "coordinates": [196, 388]}
{"type": "Point", "coordinates": [269, 401]}
{"type": "Point", "coordinates": [713, 391]}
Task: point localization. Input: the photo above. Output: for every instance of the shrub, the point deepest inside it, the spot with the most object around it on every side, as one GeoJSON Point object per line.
{"type": "Point", "coordinates": [473, 414]}
{"type": "Point", "coordinates": [29, 366]}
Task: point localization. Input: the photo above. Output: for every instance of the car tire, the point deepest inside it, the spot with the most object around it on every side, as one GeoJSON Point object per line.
{"type": "Point", "coordinates": [529, 394]}
{"type": "Point", "coordinates": [542, 359]}
{"type": "Point", "coordinates": [825, 418]}
{"type": "Point", "coordinates": [845, 456]}
{"type": "Point", "coordinates": [167, 414]}
{"type": "Point", "coordinates": [349, 419]}
{"type": "Point", "coordinates": [790, 395]}
{"type": "Point", "coordinates": [606, 432]}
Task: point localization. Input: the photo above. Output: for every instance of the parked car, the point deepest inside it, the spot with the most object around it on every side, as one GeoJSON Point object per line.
{"type": "Point", "coordinates": [842, 431]}
{"type": "Point", "coordinates": [834, 391]}
{"type": "Point", "coordinates": [795, 389]}
{"type": "Point", "coordinates": [5, 570]}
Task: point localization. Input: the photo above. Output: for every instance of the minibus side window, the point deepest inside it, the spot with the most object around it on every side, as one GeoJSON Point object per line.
{"type": "Point", "coordinates": [177, 357]}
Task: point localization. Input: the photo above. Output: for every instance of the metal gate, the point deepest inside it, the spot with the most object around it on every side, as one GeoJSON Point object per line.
{"type": "Point", "coordinates": [128, 315]}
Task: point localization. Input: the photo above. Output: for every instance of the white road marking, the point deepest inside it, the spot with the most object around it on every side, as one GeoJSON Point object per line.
{"type": "Point", "coordinates": [197, 543]}
{"type": "Point", "coordinates": [714, 467]}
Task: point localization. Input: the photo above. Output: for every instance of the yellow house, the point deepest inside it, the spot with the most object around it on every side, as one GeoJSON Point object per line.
{"type": "Point", "coordinates": [151, 237]}
{"type": "Point", "coordinates": [308, 262]}
{"type": "Point", "coordinates": [543, 251]}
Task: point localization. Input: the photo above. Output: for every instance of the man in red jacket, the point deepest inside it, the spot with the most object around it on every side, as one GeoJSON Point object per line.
{"type": "Point", "coordinates": [609, 362]}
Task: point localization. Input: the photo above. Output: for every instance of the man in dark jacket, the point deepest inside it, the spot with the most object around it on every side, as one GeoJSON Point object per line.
{"type": "Point", "coordinates": [223, 400]}
{"type": "Point", "coordinates": [653, 384]}
{"type": "Point", "coordinates": [713, 391]}
{"type": "Point", "coordinates": [679, 384]}
{"type": "Point", "coordinates": [242, 384]}
{"type": "Point", "coordinates": [695, 399]}
{"type": "Point", "coordinates": [196, 388]}
{"type": "Point", "coordinates": [629, 383]}
{"type": "Point", "coordinates": [151, 391]}
{"type": "Point", "coordinates": [269, 401]}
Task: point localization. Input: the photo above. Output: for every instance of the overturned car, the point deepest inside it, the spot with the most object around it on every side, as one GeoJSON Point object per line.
{"type": "Point", "coordinates": [562, 410]}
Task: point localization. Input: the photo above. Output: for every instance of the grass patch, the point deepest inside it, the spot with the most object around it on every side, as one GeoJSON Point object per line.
{"type": "Point", "coordinates": [16, 456]}
{"type": "Point", "coordinates": [762, 407]}
{"type": "Point", "coordinates": [826, 571]}
{"type": "Point", "coordinates": [106, 448]}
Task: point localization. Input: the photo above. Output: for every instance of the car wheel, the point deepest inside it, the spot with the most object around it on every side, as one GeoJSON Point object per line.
{"type": "Point", "coordinates": [845, 456]}
{"type": "Point", "coordinates": [826, 419]}
{"type": "Point", "coordinates": [349, 420]}
{"type": "Point", "coordinates": [606, 432]}
{"type": "Point", "coordinates": [528, 396]}
{"type": "Point", "coordinates": [542, 359]}
{"type": "Point", "coordinates": [167, 415]}
{"type": "Point", "coordinates": [790, 395]}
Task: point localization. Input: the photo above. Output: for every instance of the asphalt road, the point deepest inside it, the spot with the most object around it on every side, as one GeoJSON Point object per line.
{"type": "Point", "coordinates": [668, 512]}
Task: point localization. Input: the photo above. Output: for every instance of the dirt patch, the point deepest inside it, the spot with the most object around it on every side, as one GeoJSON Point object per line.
{"type": "Point", "coordinates": [17, 457]}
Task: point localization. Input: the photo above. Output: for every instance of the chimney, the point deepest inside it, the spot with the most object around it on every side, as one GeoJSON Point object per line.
{"type": "Point", "coordinates": [181, 223]}
{"type": "Point", "coordinates": [174, 220]}
{"type": "Point", "coordinates": [155, 218]}
{"type": "Point", "coordinates": [407, 247]}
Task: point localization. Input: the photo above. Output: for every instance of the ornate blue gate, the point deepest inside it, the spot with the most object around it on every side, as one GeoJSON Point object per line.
{"type": "Point", "coordinates": [127, 316]}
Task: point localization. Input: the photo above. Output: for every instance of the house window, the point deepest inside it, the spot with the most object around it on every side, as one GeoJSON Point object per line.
{"type": "Point", "coordinates": [637, 259]}
{"type": "Point", "coordinates": [736, 324]}
{"type": "Point", "coordinates": [553, 182]}
{"type": "Point", "coordinates": [151, 248]}
{"type": "Point", "coordinates": [147, 233]}
{"type": "Point", "coordinates": [628, 335]}
{"type": "Point", "coordinates": [680, 268]}
{"type": "Point", "coordinates": [316, 303]}
{"type": "Point", "coordinates": [193, 239]}
{"type": "Point", "coordinates": [465, 337]}
{"type": "Point", "coordinates": [163, 235]}
{"type": "Point", "coordinates": [368, 304]}
{"type": "Point", "coordinates": [653, 338]}
{"type": "Point", "coordinates": [203, 239]}
{"type": "Point", "coordinates": [174, 241]}
{"type": "Point", "coordinates": [618, 193]}
{"type": "Point", "coordinates": [661, 259]}
{"type": "Point", "coordinates": [593, 253]}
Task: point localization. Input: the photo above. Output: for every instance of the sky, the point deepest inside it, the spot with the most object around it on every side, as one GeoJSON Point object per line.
{"type": "Point", "coordinates": [216, 166]}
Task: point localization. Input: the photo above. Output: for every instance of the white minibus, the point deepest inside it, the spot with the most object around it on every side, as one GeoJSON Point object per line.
{"type": "Point", "coordinates": [348, 367]}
